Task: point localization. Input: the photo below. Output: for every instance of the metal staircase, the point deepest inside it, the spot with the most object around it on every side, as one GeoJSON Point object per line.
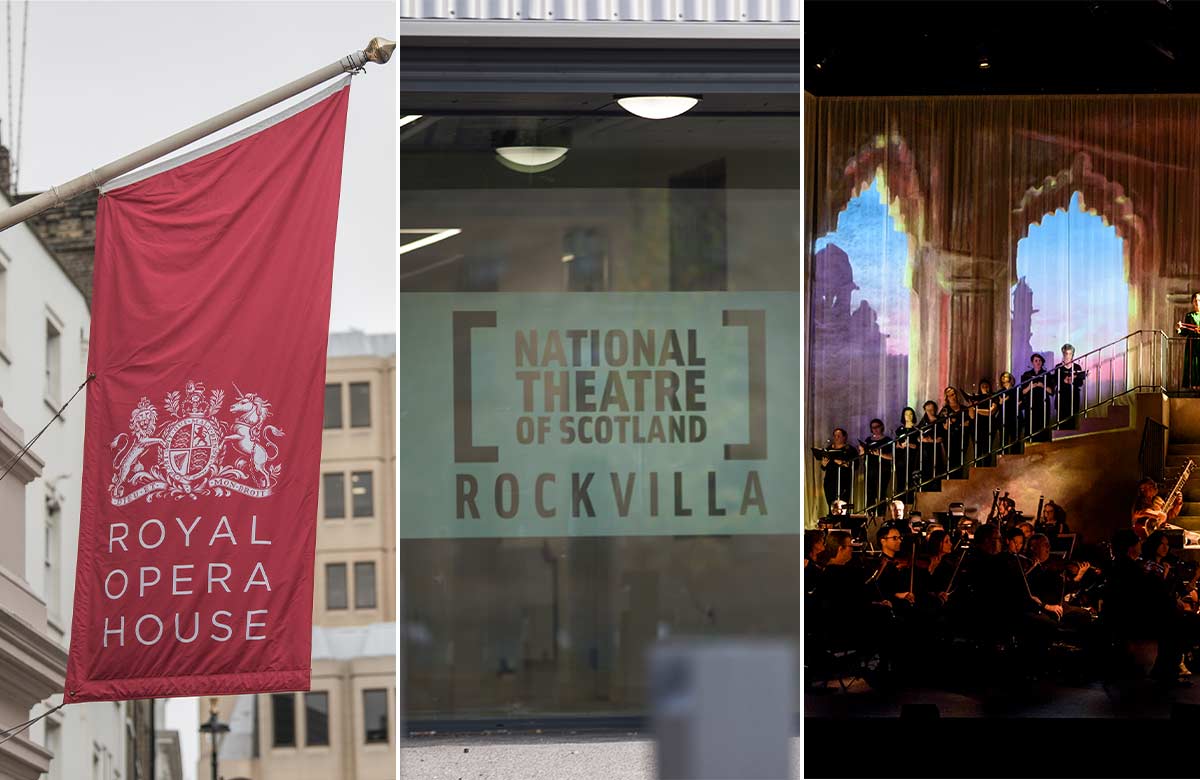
{"type": "Point", "coordinates": [1143, 361]}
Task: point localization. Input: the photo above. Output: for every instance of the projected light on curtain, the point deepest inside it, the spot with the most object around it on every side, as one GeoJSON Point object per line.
{"type": "Point", "coordinates": [1071, 287]}
{"type": "Point", "coordinates": [859, 318]}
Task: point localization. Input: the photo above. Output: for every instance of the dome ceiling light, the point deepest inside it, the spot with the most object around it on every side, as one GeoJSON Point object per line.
{"type": "Point", "coordinates": [531, 159]}
{"type": "Point", "coordinates": [658, 106]}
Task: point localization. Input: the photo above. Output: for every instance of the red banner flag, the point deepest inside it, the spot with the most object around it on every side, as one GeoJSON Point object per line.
{"type": "Point", "coordinates": [202, 446]}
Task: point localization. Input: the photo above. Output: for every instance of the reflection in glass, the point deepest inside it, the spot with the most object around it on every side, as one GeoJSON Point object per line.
{"type": "Point", "coordinates": [375, 715]}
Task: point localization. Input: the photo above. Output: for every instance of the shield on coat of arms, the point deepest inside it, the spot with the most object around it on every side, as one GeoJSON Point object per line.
{"type": "Point", "coordinates": [192, 445]}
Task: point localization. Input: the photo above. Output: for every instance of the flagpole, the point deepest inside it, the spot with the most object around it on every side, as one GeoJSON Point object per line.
{"type": "Point", "coordinates": [379, 51]}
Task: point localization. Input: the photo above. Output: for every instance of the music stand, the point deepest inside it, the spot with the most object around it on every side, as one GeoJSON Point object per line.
{"type": "Point", "coordinates": [1063, 545]}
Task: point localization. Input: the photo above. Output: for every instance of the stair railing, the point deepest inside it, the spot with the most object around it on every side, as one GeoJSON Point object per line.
{"type": "Point", "coordinates": [1143, 361]}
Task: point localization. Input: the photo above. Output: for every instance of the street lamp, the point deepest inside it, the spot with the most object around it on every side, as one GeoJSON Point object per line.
{"type": "Point", "coordinates": [214, 727]}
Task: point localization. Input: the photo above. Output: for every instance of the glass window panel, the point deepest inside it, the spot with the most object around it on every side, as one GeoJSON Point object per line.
{"type": "Point", "coordinates": [362, 494]}
{"type": "Point", "coordinates": [333, 485]}
{"type": "Point", "coordinates": [283, 720]}
{"type": "Point", "coordinates": [316, 718]}
{"type": "Point", "coordinates": [333, 406]}
{"type": "Point", "coordinates": [364, 585]}
{"type": "Point", "coordinates": [703, 204]}
{"type": "Point", "coordinates": [360, 404]}
{"type": "Point", "coordinates": [335, 586]}
{"type": "Point", "coordinates": [375, 715]}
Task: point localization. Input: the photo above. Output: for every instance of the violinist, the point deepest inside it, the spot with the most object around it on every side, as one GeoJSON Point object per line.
{"type": "Point", "coordinates": [1007, 400]}
{"type": "Point", "coordinates": [1027, 529]}
{"type": "Point", "coordinates": [1047, 579]}
{"type": "Point", "coordinates": [935, 568]}
{"type": "Point", "coordinates": [987, 420]}
{"type": "Point", "coordinates": [878, 457]}
{"type": "Point", "coordinates": [908, 441]}
{"type": "Point", "coordinates": [933, 445]}
{"type": "Point", "coordinates": [1149, 510]}
{"type": "Point", "coordinates": [1033, 399]}
{"type": "Point", "coordinates": [1138, 605]}
{"type": "Point", "coordinates": [893, 580]}
{"type": "Point", "coordinates": [836, 465]}
{"type": "Point", "coordinates": [956, 421]}
{"type": "Point", "coordinates": [814, 549]}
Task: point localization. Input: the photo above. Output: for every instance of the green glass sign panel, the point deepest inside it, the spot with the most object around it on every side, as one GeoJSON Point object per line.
{"type": "Point", "coordinates": [599, 414]}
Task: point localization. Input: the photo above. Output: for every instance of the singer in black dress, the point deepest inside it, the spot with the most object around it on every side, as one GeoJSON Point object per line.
{"type": "Point", "coordinates": [986, 420]}
{"type": "Point", "coordinates": [878, 455]}
{"type": "Point", "coordinates": [956, 421]}
{"type": "Point", "coordinates": [1034, 400]}
{"type": "Point", "coordinates": [908, 443]}
{"type": "Point", "coordinates": [1008, 402]}
{"type": "Point", "coordinates": [839, 475]}
{"type": "Point", "coordinates": [933, 447]}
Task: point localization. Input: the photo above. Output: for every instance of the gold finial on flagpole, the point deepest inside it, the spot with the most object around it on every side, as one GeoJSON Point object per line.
{"type": "Point", "coordinates": [379, 50]}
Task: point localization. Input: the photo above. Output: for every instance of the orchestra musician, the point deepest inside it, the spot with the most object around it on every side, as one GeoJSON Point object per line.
{"type": "Point", "coordinates": [1148, 511]}
{"type": "Point", "coordinates": [956, 420]}
{"type": "Point", "coordinates": [1033, 399]}
{"type": "Point", "coordinates": [836, 465]}
{"type": "Point", "coordinates": [1189, 327]}
{"type": "Point", "coordinates": [1053, 521]}
{"type": "Point", "coordinates": [1009, 403]}
{"type": "Point", "coordinates": [1066, 382]}
{"type": "Point", "coordinates": [878, 457]}
{"type": "Point", "coordinates": [1139, 605]}
{"type": "Point", "coordinates": [893, 580]}
{"type": "Point", "coordinates": [935, 568]}
{"type": "Point", "coordinates": [986, 421]}
{"type": "Point", "coordinates": [1014, 540]}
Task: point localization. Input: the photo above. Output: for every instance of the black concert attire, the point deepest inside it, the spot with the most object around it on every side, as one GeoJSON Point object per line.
{"type": "Point", "coordinates": [1138, 604]}
{"type": "Point", "coordinates": [957, 427]}
{"type": "Point", "coordinates": [1051, 587]}
{"type": "Point", "coordinates": [1009, 406]}
{"type": "Point", "coordinates": [878, 469]}
{"type": "Point", "coordinates": [908, 447]}
{"type": "Point", "coordinates": [1067, 383]}
{"type": "Point", "coordinates": [985, 424]}
{"type": "Point", "coordinates": [931, 458]}
{"type": "Point", "coordinates": [839, 478]}
{"type": "Point", "coordinates": [1191, 352]}
{"type": "Point", "coordinates": [1033, 404]}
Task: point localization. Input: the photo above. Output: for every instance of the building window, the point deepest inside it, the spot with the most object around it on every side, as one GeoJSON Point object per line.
{"type": "Point", "coordinates": [333, 406]}
{"type": "Point", "coordinates": [364, 585]}
{"type": "Point", "coordinates": [334, 487]}
{"type": "Point", "coordinates": [335, 586]}
{"type": "Point", "coordinates": [375, 715]}
{"type": "Point", "coordinates": [53, 362]}
{"type": "Point", "coordinates": [360, 404]}
{"type": "Point", "coordinates": [362, 494]}
{"type": "Point", "coordinates": [50, 553]}
{"type": "Point", "coordinates": [283, 720]}
{"type": "Point", "coordinates": [316, 719]}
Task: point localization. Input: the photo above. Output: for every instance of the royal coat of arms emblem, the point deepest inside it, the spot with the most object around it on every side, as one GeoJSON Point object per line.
{"type": "Point", "coordinates": [196, 453]}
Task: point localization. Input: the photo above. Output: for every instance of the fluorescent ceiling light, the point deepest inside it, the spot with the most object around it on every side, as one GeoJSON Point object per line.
{"type": "Point", "coordinates": [432, 236]}
{"type": "Point", "coordinates": [406, 120]}
{"type": "Point", "coordinates": [657, 106]}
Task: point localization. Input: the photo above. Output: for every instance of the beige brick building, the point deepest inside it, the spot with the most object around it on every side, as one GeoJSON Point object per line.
{"type": "Point", "coordinates": [342, 728]}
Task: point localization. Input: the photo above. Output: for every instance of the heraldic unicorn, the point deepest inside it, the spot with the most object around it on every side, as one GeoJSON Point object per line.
{"type": "Point", "coordinates": [196, 453]}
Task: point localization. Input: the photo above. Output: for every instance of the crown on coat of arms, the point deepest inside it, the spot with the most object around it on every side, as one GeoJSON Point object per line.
{"type": "Point", "coordinates": [194, 403]}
